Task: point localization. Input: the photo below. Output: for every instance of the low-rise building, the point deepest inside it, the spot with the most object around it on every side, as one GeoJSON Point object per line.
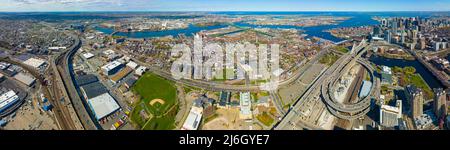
{"type": "Point", "coordinates": [93, 90]}
{"type": "Point", "coordinates": [25, 79]}
{"type": "Point", "coordinates": [245, 106]}
{"type": "Point", "coordinates": [140, 70]}
{"type": "Point", "coordinates": [88, 55]}
{"type": "Point", "coordinates": [7, 100]}
{"type": "Point", "coordinates": [121, 74]}
{"type": "Point", "coordinates": [193, 120]}
{"type": "Point", "coordinates": [86, 79]}
{"type": "Point", "coordinates": [132, 65]}
{"type": "Point", "coordinates": [4, 65]}
{"type": "Point", "coordinates": [130, 82]}
{"type": "Point", "coordinates": [112, 68]}
{"type": "Point", "coordinates": [224, 99]}
{"type": "Point", "coordinates": [35, 63]}
{"type": "Point", "coordinates": [365, 89]}
{"type": "Point", "coordinates": [103, 105]}
{"type": "Point", "coordinates": [386, 79]}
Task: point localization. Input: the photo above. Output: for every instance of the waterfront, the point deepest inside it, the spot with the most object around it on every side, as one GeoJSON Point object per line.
{"type": "Point", "coordinates": [192, 29]}
{"type": "Point", "coordinates": [426, 74]}
{"type": "Point", "coordinates": [356, 19]}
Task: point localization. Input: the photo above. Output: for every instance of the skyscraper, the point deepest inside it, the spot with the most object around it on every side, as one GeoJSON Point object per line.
{"type": "Point", "coordinates": [440, 100]}
{"type": "Point", "coordinates": [414, 96]}
{"type": "Point", "coordinates": [376, 31]}
{"type": "Point", "coordinates": [403, 37]}
{"type": "Point", "coordinates": [387, 36]}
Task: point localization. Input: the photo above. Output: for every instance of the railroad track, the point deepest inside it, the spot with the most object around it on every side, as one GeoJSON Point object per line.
{"type": "Point", "coordinates": [61, 119]}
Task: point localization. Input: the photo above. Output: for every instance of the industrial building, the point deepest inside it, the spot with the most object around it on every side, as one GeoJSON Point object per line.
{"type": "Point", "coordinates": [93, 90]}
{"type": "Point", "coordinates": [4, 65]}
{"type": "Point", "coordinates": [390, 115]}
{"type": "Point", "coordinates": [88, 55]}
{"type": "Point", "coordinates": [130, 82]}
{"type": "Point", "coordinates": [140, 70]}
{"type": "Point", "coordinates": [103, 105]}
{"type": "Point", "coordinates": [193, 120]}
{"type": "Point", "coordinates": [10, 72]}
{"type": "Point", "coordinates": [132, 65]}
{"type": "Point", "coordinates": [25, 79]}
{"type": "Point", "coordinates": [245, 106]}
{"type": "Point", "coordinates": [121, 74]}
{"type": "Point", "coordinates": [86, 79]}
{"type": "Point", "coordinates": [110, 55]}
{"type": "Point", "coordinates": [365, 89]}
{"type": "Point", "coordinates": [8, 99]}
{"type": "Point", "coordinates": [35, 63]}
{"type": "Point", "coordinates": [112, 68]}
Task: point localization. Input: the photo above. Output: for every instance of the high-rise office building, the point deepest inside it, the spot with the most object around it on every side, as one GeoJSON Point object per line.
{"type": "Point", "coordinates": [423, 44]}
{"type": "Point", "coordinates": [376, 31]}
{"type": "Point", "coordinates": [387, 36]}
{"type": "Point", "coordinates": [403, 38]}
{"type": "Point", "coordinates": [415, 98]}
{"type": "Point", "coordinates": [440, 100]}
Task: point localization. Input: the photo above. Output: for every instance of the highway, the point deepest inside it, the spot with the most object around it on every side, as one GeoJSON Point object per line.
{"type": "Point", "coordinates": [347, 111]}
{"type": "Point", "coordinates": [292, 115]}
{"type": "Point", "coordinates": [213, 86]}
{"type": "Point", "coordinates": [63, 61]}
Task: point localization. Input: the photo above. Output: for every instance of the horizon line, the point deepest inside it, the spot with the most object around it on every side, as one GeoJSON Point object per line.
{"type": "Point", "coordinates": [52, 11]}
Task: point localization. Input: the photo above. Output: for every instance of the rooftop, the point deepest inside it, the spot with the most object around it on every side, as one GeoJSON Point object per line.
{"type": "Point", "coordinates": [86, 79]}
{"type": "Point", "coordinates": [7, 99]}
{"type": "Point", "coordinates": [28, 80]}
{"type": "Point", "coordinates": [132, 65]}
{"type": "Point", "coordinates": [111, 65]}
{"type": "Point", "coordinates": [103, 105]}
{"type": "Point", "coordinates": [94, 89]}
{"type": "Point", "coordinates": [193, 120]}
{"type": "Point", "coordinates": [33, 62]}
{"type": "Point", "coordinates": [88, 55]}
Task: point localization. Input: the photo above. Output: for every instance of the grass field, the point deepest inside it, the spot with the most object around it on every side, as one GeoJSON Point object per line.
{"type": "Point", "coordinates": [341, 49]}
{"type": "Point", "coordinates": [265, 119]}
{"type": "Point", "coordinates": [409, 76]}
{"type": "Point", "coordinates": [150, 87]}
{"type": "Point", "coordinates": [329, 59]}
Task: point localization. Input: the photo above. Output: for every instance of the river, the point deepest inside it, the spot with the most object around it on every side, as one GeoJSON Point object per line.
{"type": "Point", "coordinates": [426, 75]}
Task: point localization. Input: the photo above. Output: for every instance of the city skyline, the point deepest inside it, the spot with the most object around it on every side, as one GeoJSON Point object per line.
{"type": "Point", "coordinates": [222, 5]}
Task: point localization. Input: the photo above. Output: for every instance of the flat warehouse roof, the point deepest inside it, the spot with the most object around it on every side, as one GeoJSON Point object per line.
{"type": "Point", "coordinates": [86, 79]}
{"type": "Point", "coordinates": [8, 98]}
{"type": "Point", "coordinates": [103, 105]}
{"type": "Point", "coordinates": [88, 55]}
{"type": "Point", "coordinates": [111, 65]}
{"type": "Point", "coordinates": [28, 80]}
{"type": "Point", "coordinates": [33, 62]}
{"type": "Point", "coordinates": [94, 89]}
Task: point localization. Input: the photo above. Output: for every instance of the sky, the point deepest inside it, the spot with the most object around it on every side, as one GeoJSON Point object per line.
{"type": "Point", "coordinates": [223, 5]}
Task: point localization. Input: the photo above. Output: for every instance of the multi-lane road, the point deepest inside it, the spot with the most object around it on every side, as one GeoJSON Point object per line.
{"type": "Point", "coordinates": [64, 64]}
{"type": "Point", "coordinates": [347, 111]}
{"type": "Point", "coordinates": [291, 120]}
